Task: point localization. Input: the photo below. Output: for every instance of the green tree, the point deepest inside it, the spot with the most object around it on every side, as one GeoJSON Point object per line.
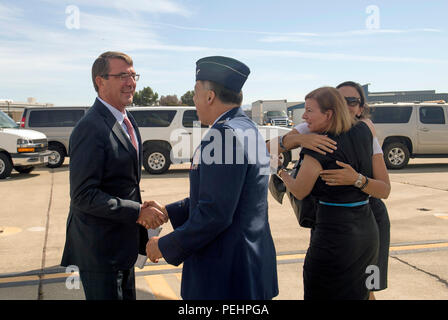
{"type": "Point", "coordinates": [169, 100]}
{"type": "Point", "coordinates": [145, 97]}
{"type": "Point", "coordinates": [187, 98]}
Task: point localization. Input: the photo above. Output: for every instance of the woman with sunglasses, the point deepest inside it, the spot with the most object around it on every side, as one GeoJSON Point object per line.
{"type": "Point", "coordinates": [301, 136]}
{"type": "Point", "coordinates": [344, 241]}
{"type": "Point", "coordinates": [356, 102]}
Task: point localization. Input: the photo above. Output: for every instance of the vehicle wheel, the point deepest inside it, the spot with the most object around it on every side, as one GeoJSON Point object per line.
{"type": "Point", "coordinates": [24, 169]}
{"type": "Point", "coordinates": [156, 160]}
{"type": "Point", "coordinates": [57, 156]}
{"type": "Point", "coordinates": [285, 158]}
{"type": "Point", "coordinates": [5, 166]}
{"type": "Point", "coordinates": [396, 155]}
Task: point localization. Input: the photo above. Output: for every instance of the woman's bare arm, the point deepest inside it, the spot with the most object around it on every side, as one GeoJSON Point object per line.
{"type": "Point", "coordinates": [308, 173]}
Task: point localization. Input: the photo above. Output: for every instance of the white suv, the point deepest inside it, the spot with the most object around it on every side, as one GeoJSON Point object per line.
{"type": "Point", "coordinates": [171, 134]}
{"type": "Point", "coordinates": [411, 130]}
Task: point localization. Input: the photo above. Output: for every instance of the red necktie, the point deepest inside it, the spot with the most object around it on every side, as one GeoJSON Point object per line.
{"type": "Point", "coordinates": [131, 132]}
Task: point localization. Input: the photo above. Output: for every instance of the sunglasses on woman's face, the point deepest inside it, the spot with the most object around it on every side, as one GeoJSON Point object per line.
{"type": "Point", "coordinates": [352, 101]}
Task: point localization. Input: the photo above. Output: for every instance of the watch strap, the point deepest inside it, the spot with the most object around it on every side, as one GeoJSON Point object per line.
{"type": "Point", "coordinates": [365, 183]}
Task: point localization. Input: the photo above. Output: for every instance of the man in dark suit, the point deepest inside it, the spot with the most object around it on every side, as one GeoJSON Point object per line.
{"type": "Point", "coordinates": [221, 232]}
{"type": "Point", "coordinates": [103, 233]}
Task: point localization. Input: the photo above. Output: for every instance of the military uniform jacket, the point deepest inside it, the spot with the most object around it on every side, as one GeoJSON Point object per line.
{"type": "Point", "coordinates": [102, 234]}
{"type": "Point", "coordinates": [221, 232]}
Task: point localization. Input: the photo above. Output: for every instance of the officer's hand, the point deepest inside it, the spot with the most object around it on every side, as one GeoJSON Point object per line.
{"type": "Point", "coordinates": [151, 217]}
{"type": "Point", "coordinates": [155, 204]}
{"type": "Point", "coordinates": [152, 249]}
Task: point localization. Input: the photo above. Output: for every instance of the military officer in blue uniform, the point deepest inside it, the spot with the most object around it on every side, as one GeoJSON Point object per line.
{"type": "Point", "coordinates": [221, 231]}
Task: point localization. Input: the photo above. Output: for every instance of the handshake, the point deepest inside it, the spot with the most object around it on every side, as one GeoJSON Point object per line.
{"type": "Point", "coordinates": [152, 215]}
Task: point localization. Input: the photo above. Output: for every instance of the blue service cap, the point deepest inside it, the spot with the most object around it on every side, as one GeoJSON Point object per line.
{"type": "Point", "coordinates": [228, 72]}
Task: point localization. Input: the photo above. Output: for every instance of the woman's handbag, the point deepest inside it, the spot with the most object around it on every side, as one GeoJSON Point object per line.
{"type": "Point", "coordinates": [305, 210]}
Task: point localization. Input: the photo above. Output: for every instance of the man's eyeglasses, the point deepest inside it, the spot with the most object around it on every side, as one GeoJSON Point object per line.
{"type": "Point", "coordinates": [123, 76]}
{"type": "Point", "coordinates": [352, 101]}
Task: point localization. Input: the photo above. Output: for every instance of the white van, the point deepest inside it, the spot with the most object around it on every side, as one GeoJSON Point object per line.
{"type": "Point", "coordinates": [20, 149]}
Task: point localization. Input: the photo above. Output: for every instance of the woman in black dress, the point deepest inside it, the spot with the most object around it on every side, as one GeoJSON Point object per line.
{"type": "Point", "coordinates": [358, 108]}
{"type": "Point", "coordinates": [344, 242]}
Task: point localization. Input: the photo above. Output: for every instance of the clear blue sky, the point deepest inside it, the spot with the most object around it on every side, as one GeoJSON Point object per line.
{"type": "Point", "coordinates": [291, 46]}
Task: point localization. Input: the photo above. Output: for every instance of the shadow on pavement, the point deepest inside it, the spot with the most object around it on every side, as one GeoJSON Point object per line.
{"type": "Point", "coordinates": [422, 168]}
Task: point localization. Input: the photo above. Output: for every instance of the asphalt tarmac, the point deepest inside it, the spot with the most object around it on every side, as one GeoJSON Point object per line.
{"type": "Point", "coordinates": [34, 209]}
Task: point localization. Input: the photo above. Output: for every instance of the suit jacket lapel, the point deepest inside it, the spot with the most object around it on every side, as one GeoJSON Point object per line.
{"type": "Point", "coordinates": [139, 141]}
{"type": "Point", "coordinates": [117, 129]}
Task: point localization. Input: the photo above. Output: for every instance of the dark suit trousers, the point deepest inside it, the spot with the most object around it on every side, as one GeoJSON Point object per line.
{"type": "Point", "coordinates": [119, 285]}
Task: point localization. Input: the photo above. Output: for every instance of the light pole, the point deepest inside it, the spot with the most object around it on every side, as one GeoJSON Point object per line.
{"type": "Point", "coordinates": [8, 102]}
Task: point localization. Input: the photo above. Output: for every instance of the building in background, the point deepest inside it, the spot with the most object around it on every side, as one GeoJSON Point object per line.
{"type": "Point", "coordinates": [14, 109]}
{"type": "Point", "coordinates": [403, 96]}
{"type": "Point", "coordinates": [297, 109]}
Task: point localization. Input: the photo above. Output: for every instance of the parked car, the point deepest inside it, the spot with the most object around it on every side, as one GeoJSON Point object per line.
{"type": "Point", "coordinates": [411, 130]}
{"type": "Point", "coordinates": [20, 149]}
{"type": "Point", "coordinates": [171, 134]}
{"type": "Point", "coordinates": [57, 124]}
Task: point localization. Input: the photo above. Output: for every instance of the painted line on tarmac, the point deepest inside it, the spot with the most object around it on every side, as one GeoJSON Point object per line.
{"type": "Point", "coordinates": [7, 231]}
{"type": "Point", "coordinates": [160, 288]}
{"type": "Point", "coordinates": [58, 275]}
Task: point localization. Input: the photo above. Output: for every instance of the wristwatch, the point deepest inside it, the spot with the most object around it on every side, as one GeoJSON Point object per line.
{"type": "Point", "coordinates": [358, 182]}
{"type": "Point", "coordinates": [280, 142]}
{"type": "Point", "coordinates": [365, 184]}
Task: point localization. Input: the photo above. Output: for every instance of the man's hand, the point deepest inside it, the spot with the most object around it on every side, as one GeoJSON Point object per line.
{"type": "Point", "coordinates": [152, 249]}
{"type": "Point", "coordinates": [155, 204]}
{"type": "Point", "coordinates": [151, 217]}
{"type": "Point", "coordinates": [340, 177]}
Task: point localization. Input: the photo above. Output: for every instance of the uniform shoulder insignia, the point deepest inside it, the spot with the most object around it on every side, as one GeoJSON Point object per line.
{"type": "Point", "coordinates": [223, 121]}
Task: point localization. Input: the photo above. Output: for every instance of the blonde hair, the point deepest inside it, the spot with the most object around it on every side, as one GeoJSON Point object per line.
{"type": "Point", "coordinates": [328, 98]}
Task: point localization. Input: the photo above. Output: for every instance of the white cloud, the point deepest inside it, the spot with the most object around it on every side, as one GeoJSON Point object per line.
{"type": "Point", "coordinates": [232, 30]}
{"type": "Point", "coordinates": [330, 56]}
{"type": "Point", "coordinates": [272, 36]}
{"type": "Point", "coordinates": [9, 12]}
{"type": "Point", "coordinates": [151, 6]}
{"type": "Point", "coordinates": [289, 37]}
{"type": "Point", "coordinates": [133, 6]}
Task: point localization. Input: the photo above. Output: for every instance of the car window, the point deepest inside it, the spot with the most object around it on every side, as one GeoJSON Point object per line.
{"type": "Point", "coordinates": [390, 114]}
{"type": "Point", "coordinates": [6, 121]}
{"type": "Point", "coordinates": [432, 115]}
{"type": "Point", "coordinates": [54, 118]}
{"type": "Point", "coordinates": [189, 117]}
{"type": "Point", "coordinates": [153, 118]}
